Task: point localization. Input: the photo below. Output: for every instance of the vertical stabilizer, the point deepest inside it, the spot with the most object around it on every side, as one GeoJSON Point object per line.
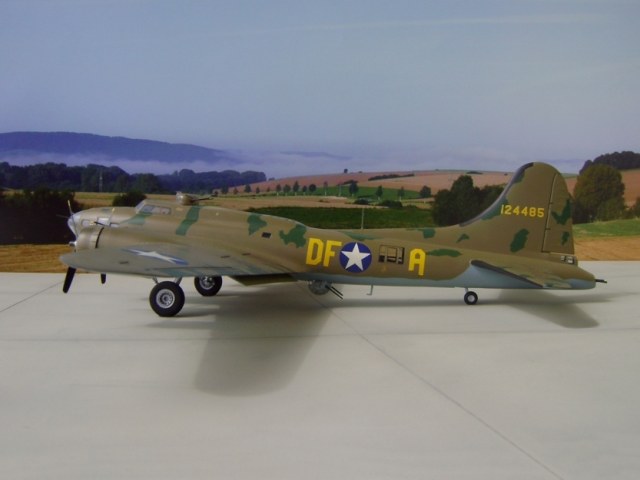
{"type": "Point", "coordinates": [533, 215]}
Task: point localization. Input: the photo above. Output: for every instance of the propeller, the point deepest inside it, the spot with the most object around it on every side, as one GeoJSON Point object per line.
{"type": "Point", "coordinates": [71, 271]}
{"type": "Point", "coordinates": [68, 279]}
{"type": "Point", "coordinates": [71, 222]}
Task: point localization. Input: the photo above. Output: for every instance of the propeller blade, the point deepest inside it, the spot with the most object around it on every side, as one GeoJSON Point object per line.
{"type": "Point", "coordinates": [103, 278]}
{"type": "Point", "coordinates": [68, 279]}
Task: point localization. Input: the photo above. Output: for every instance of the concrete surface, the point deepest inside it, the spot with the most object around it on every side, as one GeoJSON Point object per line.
{"type": "Point", "coordinates": [273, 382]}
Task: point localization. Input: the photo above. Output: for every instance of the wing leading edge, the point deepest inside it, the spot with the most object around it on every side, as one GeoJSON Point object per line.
{"type": "Point", "coordinates": [168, 260]}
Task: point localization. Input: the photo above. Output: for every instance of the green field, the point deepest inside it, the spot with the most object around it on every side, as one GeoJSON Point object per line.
{"type": "Point", "coordinates": [614, 228]}
{"type": "Point", "coordinates": [351, 218]}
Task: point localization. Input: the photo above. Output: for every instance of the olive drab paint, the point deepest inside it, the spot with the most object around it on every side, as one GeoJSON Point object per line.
{"type": "Point", "coordinates": [524, 240]}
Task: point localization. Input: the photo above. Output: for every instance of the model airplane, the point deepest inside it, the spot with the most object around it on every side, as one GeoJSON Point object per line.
{"type": "Point", "coordinates": [524, 240]}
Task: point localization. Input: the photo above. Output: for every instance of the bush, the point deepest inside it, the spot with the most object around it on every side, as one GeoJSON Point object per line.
{"type": "Point", "coordinates": [391, 204]}
{"type": "Point", "coordinates": [129, 199]}
{"type": "Point", "coordinates": [599, 194]}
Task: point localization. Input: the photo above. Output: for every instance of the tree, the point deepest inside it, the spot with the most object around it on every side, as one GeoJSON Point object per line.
{"type": "Point", "coordinates": [146, 182]}
{"type": "Point", "coordinates": [463, 201]}
{"type": "Point", "coordinates": [599, 194]}
{"type": "Point", "coordinates": [425, 192]}
{"type": "Point", "coordinates": [312, 188]}
{"type": "Point", "coordinates": [401, 193]}
{"type": "Point", "coordinates": [286, 189]}
{"type": "Point", "coordinates": [444, 210]}
{"type": "Point", "coordinates": [296, 187]}
{"type": "Point", "coordinates": [379, 192]}
{"type": "Point", "coordinates": [247, 188]}
{"type": "Point", "coordinates": [353, 188]}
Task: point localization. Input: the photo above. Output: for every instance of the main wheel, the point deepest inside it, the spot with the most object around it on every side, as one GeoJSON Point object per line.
{"type": "Point", "coordinates": [208, 286]}
{"type": "Point", "coordinates": [166, 299]}
{"type": "Point", "coordinates": [471, 298]}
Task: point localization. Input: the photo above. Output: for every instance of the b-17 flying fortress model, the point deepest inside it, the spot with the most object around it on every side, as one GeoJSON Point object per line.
{"type": "Point", "coordinates": [523, 241]}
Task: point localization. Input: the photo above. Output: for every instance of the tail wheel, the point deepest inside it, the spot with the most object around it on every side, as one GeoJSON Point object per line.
{"type": "Point", "coordinates": [208, 286]}
{"type": "Point", "coordinates": [166, 299]}
{"type": "Point", "coordinates": [471, 298]}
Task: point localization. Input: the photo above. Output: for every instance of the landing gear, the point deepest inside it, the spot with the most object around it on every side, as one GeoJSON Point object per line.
{"type": "Point", "coordinates": [166, 299]}
{"type": "Point", "coordinates": [470, 298]}
{"type": "Point", "coordinates": [208, 286]}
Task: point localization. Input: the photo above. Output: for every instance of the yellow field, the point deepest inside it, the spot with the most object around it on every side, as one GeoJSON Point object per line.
{"type": "Point", "coordinates": [32, 258]}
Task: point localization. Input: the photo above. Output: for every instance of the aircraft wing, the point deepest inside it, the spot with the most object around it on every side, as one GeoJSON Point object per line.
{"type": "Point", "coordinates": [535, 277]}
{"type": "Point", "coordinates": [170, 260]}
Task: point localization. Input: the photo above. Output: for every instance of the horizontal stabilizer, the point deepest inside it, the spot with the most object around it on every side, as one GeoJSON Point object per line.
{"type": "Point", "coordinates": [524, 274]}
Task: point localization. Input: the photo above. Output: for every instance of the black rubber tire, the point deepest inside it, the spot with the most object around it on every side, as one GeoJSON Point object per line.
{"type": "Point", "coordinates": [166, 299]}
{"type": "Point", "coordinates": [208, 286]}
{"type": "Point", "coordinates": [471, 298]}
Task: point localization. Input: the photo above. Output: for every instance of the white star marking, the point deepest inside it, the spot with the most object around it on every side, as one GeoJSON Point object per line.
{"type": "Point", "coordinates": [355, 257]}
{"type": "Point", "coordinates": [157, 255]}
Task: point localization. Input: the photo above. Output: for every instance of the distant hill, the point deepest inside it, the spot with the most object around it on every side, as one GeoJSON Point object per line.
{"type": "Point", "coordinates": [85, 144]}
{"type": "Point", "coordinates": [87, 162]}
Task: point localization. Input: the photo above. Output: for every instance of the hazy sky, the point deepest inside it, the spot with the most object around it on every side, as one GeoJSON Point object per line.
{"type": "Point", "coordinates": [414, 83]}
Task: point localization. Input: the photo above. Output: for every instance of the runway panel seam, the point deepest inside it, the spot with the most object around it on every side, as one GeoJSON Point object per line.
{"type": "Point", "coordinates": [29, 297]}
{"type": "Point", "coordinates": [452, 400]}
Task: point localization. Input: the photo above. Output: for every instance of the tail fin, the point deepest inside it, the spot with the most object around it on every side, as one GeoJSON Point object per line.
{"type": "Point", "coordinates": [532, 215]}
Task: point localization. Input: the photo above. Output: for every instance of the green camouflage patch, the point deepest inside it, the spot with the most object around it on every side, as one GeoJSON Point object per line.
{"type": "Point", "coordinates": [464, 236]}
{"type": "Point", "coordinates": [360, 236]}
{"type": "Point", "coordinates": [565, 237]}
{"type": "Point", "coordinates": [295, 236]}
{"type": "Point", "coordinates": [520, 174]}
{"type": "Point", "coordinates": [427, 232]}
{"type": "Point", "coordinates": [565, 215]}
{"type": "Point", "coordinates": [192, 217]}
{"type": "Point", "coordinates": [138, 219]}
{"type": "Point", "coordinates": [255, 223]}
{"type": "Point", "coordinates": [519, 240]}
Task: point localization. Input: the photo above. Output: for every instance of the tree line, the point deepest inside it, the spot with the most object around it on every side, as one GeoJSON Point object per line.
{"type": "Point", "coordinates": [36, 216]}
{"type": "Point", "coordinates": [621, 160]}
{"type": "Point", "coordinates": [99, 178]}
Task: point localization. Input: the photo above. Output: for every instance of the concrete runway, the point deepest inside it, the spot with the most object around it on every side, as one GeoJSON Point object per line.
{"type": "Point", "coordinates": [276, 383]}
